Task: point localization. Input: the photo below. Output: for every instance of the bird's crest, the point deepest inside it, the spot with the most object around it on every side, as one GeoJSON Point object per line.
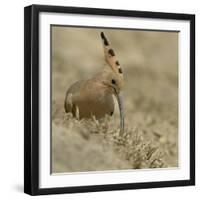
{"type": "Point", "coordinates": [110, 56]}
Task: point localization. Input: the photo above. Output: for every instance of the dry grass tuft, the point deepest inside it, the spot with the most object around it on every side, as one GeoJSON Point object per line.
{"type": "Point", "coordinates": [128, 151]}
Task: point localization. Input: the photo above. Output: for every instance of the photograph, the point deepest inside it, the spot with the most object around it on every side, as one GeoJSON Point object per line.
{"type": "Point", "coordinates": [114, 99]}
{"type": "Point", "coordinates": [109, 99]}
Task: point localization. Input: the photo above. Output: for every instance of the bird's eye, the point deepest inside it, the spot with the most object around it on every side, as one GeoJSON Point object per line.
{"type": "Point", "coordinates": [113, 81]}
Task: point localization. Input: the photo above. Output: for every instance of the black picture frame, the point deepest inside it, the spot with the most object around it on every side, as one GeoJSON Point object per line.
{"type": "Point", "coordinates": [31, 98]}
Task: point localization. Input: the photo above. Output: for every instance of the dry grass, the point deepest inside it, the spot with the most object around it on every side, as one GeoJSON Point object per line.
{"type": "Point", "coordinates": [150, 64]}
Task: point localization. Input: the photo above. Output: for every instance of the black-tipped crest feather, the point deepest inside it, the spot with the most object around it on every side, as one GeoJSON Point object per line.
{"type": "Point", "coordinates": [106, 43]}
{"type": "Point", "coordinates": [111, 52]}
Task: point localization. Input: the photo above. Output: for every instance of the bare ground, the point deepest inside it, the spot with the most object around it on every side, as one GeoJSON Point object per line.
{"type": "Point", "coordinates": [150, 64]}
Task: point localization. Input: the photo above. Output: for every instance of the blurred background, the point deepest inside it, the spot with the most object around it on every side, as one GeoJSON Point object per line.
{"type": "Point", "coordinates": [150, 64]}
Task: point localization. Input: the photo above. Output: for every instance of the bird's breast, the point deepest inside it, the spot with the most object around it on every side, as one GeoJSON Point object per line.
{"type": "Point", "coordinates": [96, 103]}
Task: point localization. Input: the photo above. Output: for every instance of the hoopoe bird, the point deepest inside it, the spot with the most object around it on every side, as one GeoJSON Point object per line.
{"type": "Point", "coordinates": [94, 96]}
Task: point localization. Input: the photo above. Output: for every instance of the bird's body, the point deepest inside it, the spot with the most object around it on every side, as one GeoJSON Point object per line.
{"type": "Point", "coordinates": [91, 98]}
{"type": "Point", "coordinates": [94, 96]}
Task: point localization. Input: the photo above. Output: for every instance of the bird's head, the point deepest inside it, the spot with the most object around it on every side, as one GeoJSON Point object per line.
{"type": "Point", "coordinates": [112, 77]}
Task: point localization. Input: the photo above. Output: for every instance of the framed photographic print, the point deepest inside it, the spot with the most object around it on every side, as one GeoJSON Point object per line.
{"type": "Point", "coordinates": [109, 99]}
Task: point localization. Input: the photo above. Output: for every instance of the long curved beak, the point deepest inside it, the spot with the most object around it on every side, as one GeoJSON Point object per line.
{"type": "Point", "coordinates": [121, 110]}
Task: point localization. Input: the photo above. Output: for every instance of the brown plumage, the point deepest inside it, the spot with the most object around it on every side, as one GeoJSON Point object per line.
{"type": "Point", "coordinates": [94, 97]}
